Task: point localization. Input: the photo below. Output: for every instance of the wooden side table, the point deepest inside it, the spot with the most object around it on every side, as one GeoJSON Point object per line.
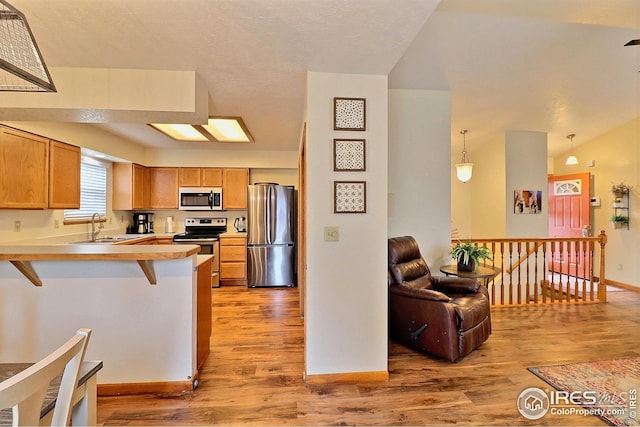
{"type": "Point", "coordinates": [482, 272]}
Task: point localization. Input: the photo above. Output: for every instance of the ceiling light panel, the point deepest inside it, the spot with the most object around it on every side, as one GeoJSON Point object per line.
{"type": "Point", "coordinates": [228, 129]}
{"type": "Point", "coordinates": [180, 132]}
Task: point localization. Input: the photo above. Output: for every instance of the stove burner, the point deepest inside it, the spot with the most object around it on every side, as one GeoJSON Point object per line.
{"type": "Point", "coordinates": [202, 229]}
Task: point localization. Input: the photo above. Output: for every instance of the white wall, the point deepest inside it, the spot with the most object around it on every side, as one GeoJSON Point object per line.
{"type": "Point", "coordinates": [86, 136]}
{"type": "Point", "coordinates": [489, 190]}
{"type": "Point", "coordinates": [419, 173]}
{"type": "Point", "coordinates": [526, 169]}
{"type": "Point", "coordinates": [142, 332]}
{"type": "Point", "coordinates": [222, 158]}
{"type": "Point", "coordinates": [517, 161]}
{"type": "Point", "coordinates": [346, 295]}
{"type": "Point", "coordinates": [616, 156]}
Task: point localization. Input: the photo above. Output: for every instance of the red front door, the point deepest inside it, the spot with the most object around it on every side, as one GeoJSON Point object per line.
{"type": "Point", "coordinates": [569, 212]}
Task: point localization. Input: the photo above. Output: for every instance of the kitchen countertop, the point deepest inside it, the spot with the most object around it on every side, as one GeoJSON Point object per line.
{"type": "Point", "coordinates": [201, 259]}
{"type": "Point", "coordinates": [22, 255]}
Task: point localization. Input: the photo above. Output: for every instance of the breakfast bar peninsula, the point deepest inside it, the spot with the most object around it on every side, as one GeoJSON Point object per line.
{"type": "Point", "coordinates": [141, 301]}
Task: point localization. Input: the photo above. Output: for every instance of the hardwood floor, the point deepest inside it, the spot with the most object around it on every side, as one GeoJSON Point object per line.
{"type": "Point", "coordinates": [253, 375]}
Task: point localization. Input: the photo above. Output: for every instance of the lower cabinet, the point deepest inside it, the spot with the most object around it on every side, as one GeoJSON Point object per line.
{"type": "Point", "coordinates": [233, 260]}
{"type": "Point", "coordinates": [203, 315]}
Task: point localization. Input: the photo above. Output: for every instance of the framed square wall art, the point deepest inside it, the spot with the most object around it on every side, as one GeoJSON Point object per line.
{"type": "Point", "coordinates": [527, 201]}
{"type": "Point", "coordinates": [349, 197]}
{"type": "Point", "coordinates": [349, 155]}
{"type": "Point", "coordinates": [349, 113]}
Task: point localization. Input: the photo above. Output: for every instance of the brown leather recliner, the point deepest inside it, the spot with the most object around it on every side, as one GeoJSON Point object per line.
{"type": "Point", "coordinates": [444, 316]}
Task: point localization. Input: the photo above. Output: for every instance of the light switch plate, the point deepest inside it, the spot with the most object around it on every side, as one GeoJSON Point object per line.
{"type": "Point", "coordinates": [331, 234]}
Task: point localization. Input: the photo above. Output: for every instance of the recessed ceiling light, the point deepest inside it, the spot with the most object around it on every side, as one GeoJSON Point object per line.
{"type": "Point", "coordinates": [180, 132]}
{"type": "Point", "coordinates": [217, 129]}
{"type": "Point", "coordinates": [228, 129]}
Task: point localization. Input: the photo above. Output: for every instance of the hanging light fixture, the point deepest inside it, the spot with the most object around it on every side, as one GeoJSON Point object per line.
{"type": "Point", "coordinates": [571, 160]}
{"type": "Point", "coordinates": [22, 68]}
{"type": "Point", "coordinates": [464, 169]}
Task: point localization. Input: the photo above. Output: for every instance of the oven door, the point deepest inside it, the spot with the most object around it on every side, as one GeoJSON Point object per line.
{"type": "Point", "coordinates": [207, 248]}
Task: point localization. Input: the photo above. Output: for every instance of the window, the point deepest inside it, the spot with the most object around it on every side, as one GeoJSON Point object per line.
{"type": "Point", "coordinates": [93, 191]}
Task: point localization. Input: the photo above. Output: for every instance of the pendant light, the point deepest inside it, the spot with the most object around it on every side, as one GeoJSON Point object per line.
{"type": "Point", "coordinates": [22, 68]}
{"type": "Point", "coordinates": [571, 160]}
{"type": "Point", "coordinates": [464, 169]}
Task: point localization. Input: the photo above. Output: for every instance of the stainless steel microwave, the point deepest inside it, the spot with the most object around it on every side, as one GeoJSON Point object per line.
{"type": "Point", "coordinates": [200, 198]}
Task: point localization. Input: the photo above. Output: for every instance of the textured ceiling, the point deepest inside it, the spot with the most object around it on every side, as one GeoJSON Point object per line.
{"type": "Point", "coordinates": [555, 66]}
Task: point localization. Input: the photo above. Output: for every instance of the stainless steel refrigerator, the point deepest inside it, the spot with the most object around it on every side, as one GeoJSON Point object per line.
{"type": "Point", "coordinates": [271, 249]}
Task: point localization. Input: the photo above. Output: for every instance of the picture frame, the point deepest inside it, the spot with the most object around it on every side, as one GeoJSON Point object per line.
{"type": "Point", "coordinates": [527, 202]}
{"type": "Point", "coordinates": [349, 155]}
{"type": "Point", "coordinates": [349, 114]}
{"type": "Point", "coordinates": [349, 196]}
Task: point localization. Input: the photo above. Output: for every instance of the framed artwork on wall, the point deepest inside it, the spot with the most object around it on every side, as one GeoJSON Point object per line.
{"type": "Point", "coordinates": [527, 201]}
{"type": "Point", "coordinates": [349, 196]}
{"type": "Point", "coordinates": [349, 113]}
{"type": "Point", "coordinates": [349, 155]}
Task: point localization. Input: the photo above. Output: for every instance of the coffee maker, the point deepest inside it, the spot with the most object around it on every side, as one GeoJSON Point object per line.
{"type": "Point", "coordinates": [143, 222]}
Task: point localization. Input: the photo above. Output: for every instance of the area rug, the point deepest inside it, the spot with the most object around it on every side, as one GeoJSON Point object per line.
{"type": "Point", "coordinates": [604, 388]}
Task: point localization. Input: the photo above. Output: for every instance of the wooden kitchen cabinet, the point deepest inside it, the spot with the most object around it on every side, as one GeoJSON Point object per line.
{"type": "Point", "coordinates": [200, 177]}
{"type": "Point", "coordinates": [64, 176]}
{"type": "Point", "coordinates": [163, 188]}
{"type": "Point", "coordinates": [24, 170]}
{"type": "Point", "coordinates": [130, 186]}
{"type": "Point", "coordinates": [233, 260]}
{"type": "Point", "coordinates": [203, 311]}
{"type": "Point", "coordinates": [234, 188]}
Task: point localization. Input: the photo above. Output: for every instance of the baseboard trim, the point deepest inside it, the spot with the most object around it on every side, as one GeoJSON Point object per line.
{"type": "Point", "coordinates": [348, 377]}
{"type": "Point", "coordinates": [161, 387]}
{"type": "Point", "coordinates": [621, 285]}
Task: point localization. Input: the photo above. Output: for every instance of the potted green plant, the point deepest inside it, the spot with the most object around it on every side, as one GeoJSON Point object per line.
{"type": "Point", "coordinates": [620, 189]}
{"type": "Point", "coordinates": [468, 255]}
{"type": "Point", "coordinates": [618, 221]}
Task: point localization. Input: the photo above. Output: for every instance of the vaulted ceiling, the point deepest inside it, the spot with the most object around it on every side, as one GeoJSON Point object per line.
{"type": "Point", "coordinates": [554, 66]}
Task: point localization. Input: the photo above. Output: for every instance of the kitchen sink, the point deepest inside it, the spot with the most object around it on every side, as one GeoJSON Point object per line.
{"type": "Point", "coordinates": [106, 239]}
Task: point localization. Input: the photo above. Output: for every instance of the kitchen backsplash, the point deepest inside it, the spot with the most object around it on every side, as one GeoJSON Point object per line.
{"type": "Point", "coordinates": [38, 224]}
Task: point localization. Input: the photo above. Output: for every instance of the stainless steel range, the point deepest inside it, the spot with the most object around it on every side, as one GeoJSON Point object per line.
{"type": "Point", "coordinates": [204, 231]}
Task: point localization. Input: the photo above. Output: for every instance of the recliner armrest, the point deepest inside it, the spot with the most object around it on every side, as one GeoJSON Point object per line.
{"type": "Point", "coordinates": [457, 285]}
{"type": "Point", "coordinates": [424, 294]}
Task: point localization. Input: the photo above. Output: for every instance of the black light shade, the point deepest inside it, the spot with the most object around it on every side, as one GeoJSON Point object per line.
{"type": "Point", "coordinates": [22, 68]}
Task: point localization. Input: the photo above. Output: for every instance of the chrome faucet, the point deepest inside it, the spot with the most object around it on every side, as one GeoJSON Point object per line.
{"type": "Point", "coordinates": [94, 233]}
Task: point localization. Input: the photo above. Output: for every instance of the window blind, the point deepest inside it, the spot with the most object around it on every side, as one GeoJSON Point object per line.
{"type": "Point", "coordinates": [93, 191]}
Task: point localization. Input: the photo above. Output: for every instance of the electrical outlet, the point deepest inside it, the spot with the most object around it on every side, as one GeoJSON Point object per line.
{"type": "Point", "coordinates": [16, 226]}
{"type": "Point", "coordinates": [56, 223]}
{"type": "Point", "coordinates": [331, 234]}
{"type": "Point", "coordinates": [619, 266]}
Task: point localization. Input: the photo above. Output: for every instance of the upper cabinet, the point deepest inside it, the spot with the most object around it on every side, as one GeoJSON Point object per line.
{"type": "Point", "coordinates": [200, 177]}
{"type": "Point", "coordinates": [64, 176]}
{"type": "Point", "coordinates": [234, 188]}
{"type": "Point", "coordinates": [24, 170]}
{"type": "Point", "coordinates": [130, 186]}
{"type": "Point", "coordinates": [163, 186]}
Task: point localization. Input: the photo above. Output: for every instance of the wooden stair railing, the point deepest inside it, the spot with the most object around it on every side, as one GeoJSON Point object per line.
{"type": "Point", "coordinates": [546, 270]}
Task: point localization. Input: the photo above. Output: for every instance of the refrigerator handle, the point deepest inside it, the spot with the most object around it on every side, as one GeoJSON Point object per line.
{"type": "Point", "coordinates": [270, 215]}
